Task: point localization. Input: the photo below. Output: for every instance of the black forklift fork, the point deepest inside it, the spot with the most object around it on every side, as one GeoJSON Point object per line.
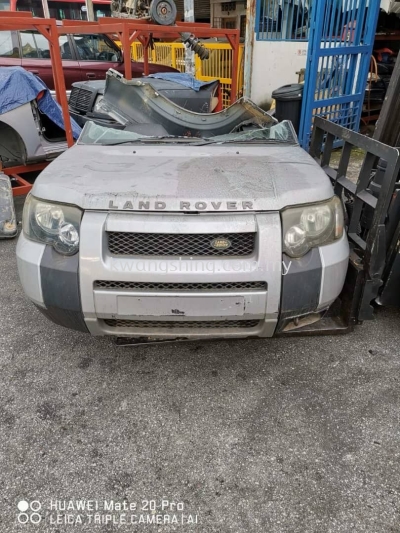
{"type": "Point", "coordinates": [373, 222]}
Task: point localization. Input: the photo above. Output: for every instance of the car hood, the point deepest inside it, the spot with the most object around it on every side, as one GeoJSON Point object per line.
{"type": "Point", "coordinates": [164, 177]}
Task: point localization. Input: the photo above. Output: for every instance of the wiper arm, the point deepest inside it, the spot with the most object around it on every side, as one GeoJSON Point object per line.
{"type": "Point", "coordinates": [192, 142]}
{"type": "Point", "coordinates": [165, 139]}
{"type": "Point", "coordinates": [204, 142]}
{"type": "Point", "coordinates": [116, 143]}
{"type": "Point", "coordinates": [242, 141]}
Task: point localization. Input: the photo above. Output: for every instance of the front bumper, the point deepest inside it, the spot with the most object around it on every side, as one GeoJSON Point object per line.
{"type": "Point", "coordinates": [75, 291]}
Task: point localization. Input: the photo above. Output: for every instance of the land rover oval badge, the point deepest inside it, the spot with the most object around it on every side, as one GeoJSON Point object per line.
{"type": "Point", "coordinates": [221, 244]}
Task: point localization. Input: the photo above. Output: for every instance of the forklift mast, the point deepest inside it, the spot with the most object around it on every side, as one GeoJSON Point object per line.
{"type": "Point", "coordinates": [373, 219]}
{"type": "Point", "coordinates": [372, 203]}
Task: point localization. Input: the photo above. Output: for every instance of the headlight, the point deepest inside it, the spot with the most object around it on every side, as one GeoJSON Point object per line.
{"type": "Point", "coordinates": [311, 225]}
{"type": "Point", "coordinates": [55, 224]}
{"type": "Point", "coordinates": [97, 105]}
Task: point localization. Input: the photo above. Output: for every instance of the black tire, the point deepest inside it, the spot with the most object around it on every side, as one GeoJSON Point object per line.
{"type": "Point", "coordinates": [163, 12]}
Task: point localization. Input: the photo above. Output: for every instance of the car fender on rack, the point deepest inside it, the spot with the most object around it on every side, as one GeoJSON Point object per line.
{"type": "Point", "coordinates": [137, 102]}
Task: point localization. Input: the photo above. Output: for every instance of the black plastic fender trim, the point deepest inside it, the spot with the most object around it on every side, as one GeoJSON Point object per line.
{"type": "Point", "coordinates": [59, 275]}
{"type": "Point", "coordinates": [301, 286]}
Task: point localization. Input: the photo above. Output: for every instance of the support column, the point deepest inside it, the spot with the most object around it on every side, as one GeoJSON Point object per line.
{"type": "Point", "coordinates": [189, 54]}
{"type": "Point", "coordinates": [248, 46]}
{"type": "Point", "coordinates": [90, 10]}
{"type": "Point", "coordinates": [46, 11]}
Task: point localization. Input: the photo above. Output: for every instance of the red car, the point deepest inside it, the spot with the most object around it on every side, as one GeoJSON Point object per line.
{"type": "Point", "coordinates": [84, 57]}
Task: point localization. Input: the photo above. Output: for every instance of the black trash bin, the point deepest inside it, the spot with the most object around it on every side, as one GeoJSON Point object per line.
{"type": "Point", "coordinates": [288, 103]}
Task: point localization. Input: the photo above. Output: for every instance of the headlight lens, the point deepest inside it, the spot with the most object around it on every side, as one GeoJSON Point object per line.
{"type": "Point", "coordinates": [316, 220]}
{"type": "Point", "coordinates": [49, 217]}
{"type": "Point", "coordinates": [97, 105]}
{"type": "Point", "coordinates": [311, 225]}
{"type": "Point", "coordinates": [55, 224]}
{"type": "Point", "coordinates": [296, 241]}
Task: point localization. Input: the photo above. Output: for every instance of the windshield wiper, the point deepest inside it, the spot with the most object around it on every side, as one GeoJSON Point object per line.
{"type": "Point", "coordinates": [132, 141]}
{"type": "Point", "coordinates": [243, 141]}
{"type": "Point", "coordinates": [171, 138]}
{"type": "Point", "coordinates": [195, 141]}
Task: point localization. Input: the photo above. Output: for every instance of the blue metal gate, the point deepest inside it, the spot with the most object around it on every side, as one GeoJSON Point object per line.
{"type": "Point", "coordinates": [341, 38]}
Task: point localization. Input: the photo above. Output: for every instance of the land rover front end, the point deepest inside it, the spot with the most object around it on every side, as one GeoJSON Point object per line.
{"type": "Point", "coordinates": [169, 238]}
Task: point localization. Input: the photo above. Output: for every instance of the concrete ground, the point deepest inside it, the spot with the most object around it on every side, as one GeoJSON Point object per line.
{"type": "Point", "coordinates": [271, 436]}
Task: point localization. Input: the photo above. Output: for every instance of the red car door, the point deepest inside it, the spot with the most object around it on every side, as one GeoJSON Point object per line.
{"type": "Point", "coordinates": [35, 53]}
{"type": "Point", "coordinates": [70, 63]}
{"type": "Point", "coordinates": [9, 49]}
{"type": "Point", "coordinates": [96, 54]}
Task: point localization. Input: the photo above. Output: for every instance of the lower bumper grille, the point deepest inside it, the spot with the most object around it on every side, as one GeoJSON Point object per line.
{"type": "Point", "coordinates": [140, 286]}
{"type": "Point", "coordinates": [205, 324]}
{"type": "Point", "coordinates": [180, 244]}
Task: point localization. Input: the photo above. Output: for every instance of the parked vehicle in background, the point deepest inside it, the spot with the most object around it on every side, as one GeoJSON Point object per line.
{"type": "Point", "coordinates": [84, 57]}
{"type": "Point", "coordinates": [71, 9]}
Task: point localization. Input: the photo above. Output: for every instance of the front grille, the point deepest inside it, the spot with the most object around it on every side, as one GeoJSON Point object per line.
{"type": "Point", "coordinates": [139, 286]}
{"type": "Point", "coordinates": [80, 99]}
{"type": "Point", "coordinates": [190, 244]}
{"type": "Point", "coordinates": [205, 324]}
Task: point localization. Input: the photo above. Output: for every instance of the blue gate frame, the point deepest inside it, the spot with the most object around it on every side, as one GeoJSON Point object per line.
{"type": "Point", "coordinates": [341, 40]}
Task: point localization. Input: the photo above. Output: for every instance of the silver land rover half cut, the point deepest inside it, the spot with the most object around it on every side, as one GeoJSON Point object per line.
{"type": "Point", "coordinates": [238, 235]}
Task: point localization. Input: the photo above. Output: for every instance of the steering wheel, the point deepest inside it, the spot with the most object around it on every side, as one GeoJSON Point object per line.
{"type": "Point", "coordinates": [107, 56]}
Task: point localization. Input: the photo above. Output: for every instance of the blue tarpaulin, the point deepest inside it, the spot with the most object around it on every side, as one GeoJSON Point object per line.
{"type": "Point", "coordinates": [186, 80]}
{"type": "Point", "coordinates": [18, 87]}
